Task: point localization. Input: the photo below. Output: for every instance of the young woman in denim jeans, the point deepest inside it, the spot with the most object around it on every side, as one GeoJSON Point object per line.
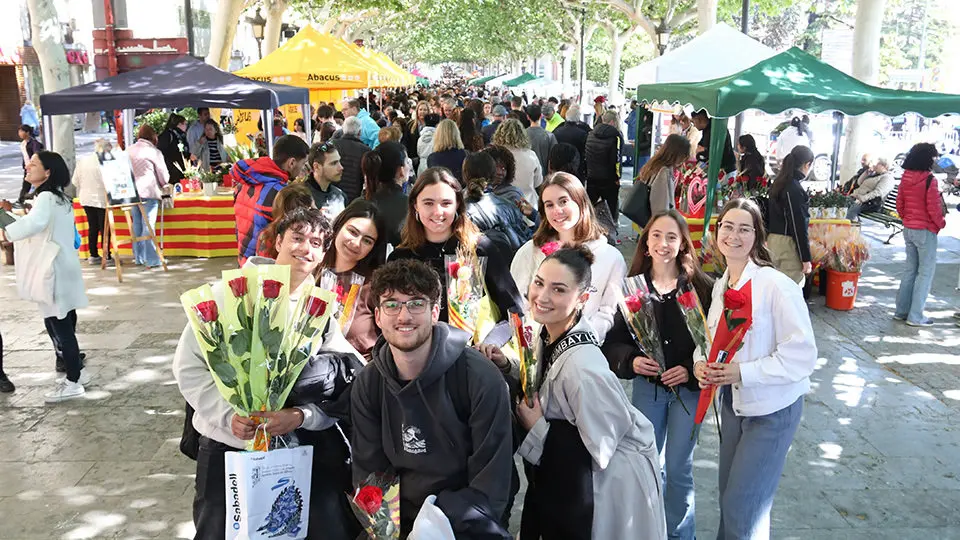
{"type": "Point", "coordinates": [665, 257]}
{"type": "Point", "coordinates": [761, 389]}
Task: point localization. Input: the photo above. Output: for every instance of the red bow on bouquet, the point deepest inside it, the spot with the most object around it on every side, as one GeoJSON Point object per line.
{"type": "Point", "coordinates": [737, 318]}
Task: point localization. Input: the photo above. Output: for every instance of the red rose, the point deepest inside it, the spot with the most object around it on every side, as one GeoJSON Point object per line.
{"type": "Point", "coordinates": [548, 248]}
{"type": "Point", "coordinates": [271, 288]}
{"type": "Point", "coordinates": [453, 268]}
{"type": "Point", "coordinates": [633, 302]}
{"type": "Point", "coordinates": [733, 299]}
{"type": "Point", "coordinates": [238, 286]}
{"type": "Point", "coordinates": [688, 300]}
{"type": "Point", "coordinates": [207, 311]}
{"type": "Point", "coordinates": [341, 293]}
{"type": "Point", "coordinates": [316, 307]}
{"type": "Point", "coordinates": [369, 499]}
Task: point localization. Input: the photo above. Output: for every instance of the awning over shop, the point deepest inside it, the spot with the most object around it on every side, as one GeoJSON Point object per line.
{"type": "Point", "coordinates": [526, 77]}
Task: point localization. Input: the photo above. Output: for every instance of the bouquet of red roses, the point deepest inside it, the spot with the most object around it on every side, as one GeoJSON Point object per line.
{"type": "Point", "coordinates": [636, 306]}
{"type": "Point", "coordinates": [376, 504]}
{"type": "Point", "coordinates": [692, 311]}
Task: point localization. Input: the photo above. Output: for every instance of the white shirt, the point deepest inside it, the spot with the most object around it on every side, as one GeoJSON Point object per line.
{"type": "Point", "coordinates": [528, 175]}
{"type": "Point", "coordinates": [607, 274]}
{"type": "Point", "coordinates": [788, 140]}
{"type": "Point", "coordinates": [779, 349]}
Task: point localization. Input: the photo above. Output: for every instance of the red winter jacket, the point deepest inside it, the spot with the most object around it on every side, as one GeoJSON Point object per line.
{"type": "Point", "coordinates": [919, 207]}
{"type": "Point", "coordinates": [259, 181]}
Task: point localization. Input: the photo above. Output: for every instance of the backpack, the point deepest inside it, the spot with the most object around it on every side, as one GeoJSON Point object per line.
{"type": "Point", "coordinates": [943, 204]}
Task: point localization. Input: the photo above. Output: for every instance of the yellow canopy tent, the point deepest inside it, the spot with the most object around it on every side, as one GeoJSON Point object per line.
{"type": "Point", "coordinates": [397, 75]}
{"type": "Point", "coordinates": [327, 65]}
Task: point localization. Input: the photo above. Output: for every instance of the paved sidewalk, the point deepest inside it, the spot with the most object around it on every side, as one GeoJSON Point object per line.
{"type": "Point", "coordinates": [875, 456]}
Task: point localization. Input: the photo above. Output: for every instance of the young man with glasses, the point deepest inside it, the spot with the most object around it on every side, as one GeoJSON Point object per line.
{"type": "Point", "coordinates": [430, 408]}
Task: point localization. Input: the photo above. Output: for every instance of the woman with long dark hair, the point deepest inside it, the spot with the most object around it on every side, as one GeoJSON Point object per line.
{"type": "Point", "coordinates": [469, 134]}
{"type": "Point", "coordinates": [667, 260]}
{"type": "Point", "coordinates": [173, 144]}
{"type": "Point", "coordinates": [752, 164]}
{"type": "Point", "coordinates": [385, 170]}
{"type": "Point", "coordinates": [658, 173]}
{"type": "Point", "coordinates": [789, 215]}
{"type": "Point", "coordinates": [437, 225]}
{"type": "Point", "coordinates": [922, 212]}
{"type": "Point", "coordinates": [495, 216]}
{"type": "Point", "coordinates": [60, 291]}
{"type": "Point", "coordinates": [763, 381]}
{"type": "Point", "coordinates": [358, 245]}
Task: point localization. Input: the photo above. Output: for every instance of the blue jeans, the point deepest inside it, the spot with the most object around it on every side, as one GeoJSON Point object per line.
{"type": "Point", "coordinates": [143, 251]}
{"type": "Point", "coordinates": [674, 425]}
{"type": "Point", "coordinates": [917, 277]}
{"type": "Point", "coordinates": [753, 450]}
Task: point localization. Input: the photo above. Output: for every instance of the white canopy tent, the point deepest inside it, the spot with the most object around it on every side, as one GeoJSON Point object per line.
{"type": "Point", "coordinates": [719, 52]}
{"type": "Point", "coordinates": [500, 80]}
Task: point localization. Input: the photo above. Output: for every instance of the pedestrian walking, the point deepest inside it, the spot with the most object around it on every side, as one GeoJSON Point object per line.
{"type": "Point", "coordinates": [150, 175]}
{"type": "Point", "coordinates": [789, 215]}
{"type": "Point", "coordinates": [88, 181]}
{"type": "Point", "coordinates": [527, 174]}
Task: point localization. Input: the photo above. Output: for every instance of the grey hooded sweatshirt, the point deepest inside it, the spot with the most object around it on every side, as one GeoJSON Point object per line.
{"type": "Point", "coordinates": [434, 441]}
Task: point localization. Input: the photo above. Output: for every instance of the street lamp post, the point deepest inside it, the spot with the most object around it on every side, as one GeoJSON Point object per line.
{"type": "Point", "coordinates": [258, 23]}
{"type": "Point", "coordinates": [663, 38]}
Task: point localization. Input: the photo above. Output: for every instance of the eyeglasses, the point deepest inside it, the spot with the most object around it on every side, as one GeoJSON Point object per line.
{"type": "Point", "coordinates": [415, 306]}
{"type": "Point", "coordinates": [729, 228]}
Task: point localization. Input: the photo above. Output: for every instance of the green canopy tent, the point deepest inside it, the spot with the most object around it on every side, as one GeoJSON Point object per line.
{"type": "Point", "coordinates": [790, 80]}
{"type": "Point", "coordinates": [481, 80]}
{"type": "Point", "coordinates": [526, 77]}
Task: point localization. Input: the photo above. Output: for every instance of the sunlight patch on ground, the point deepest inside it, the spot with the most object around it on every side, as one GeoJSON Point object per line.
{"type": "Point", "coordinates": [921, 358]}
{"type": "Point", "coordinates": [97, 522]}
{"type": "Point", "coordinates": [830, 451]}
{"type": "Point", "coordinates": [849, 388]}
{"type": "Point", "coordinates": [952, 394]}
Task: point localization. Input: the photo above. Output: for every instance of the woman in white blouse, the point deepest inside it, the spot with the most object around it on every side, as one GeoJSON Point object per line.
{"type": "Point", "coordinates": [762, 387]}
{"type": "Point", "coordinates": [528, 174]}
{"type": "Point", "coordinates": [568, 218]}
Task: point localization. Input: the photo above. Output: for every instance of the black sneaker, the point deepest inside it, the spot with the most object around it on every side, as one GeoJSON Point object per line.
{"type": "Point", "coordinates": [62, 365]}
{"type": "Point", "coordinates": [5, 385]}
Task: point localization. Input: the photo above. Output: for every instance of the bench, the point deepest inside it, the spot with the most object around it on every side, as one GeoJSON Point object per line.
{"type": "Point", "coordinates": [888, 214]}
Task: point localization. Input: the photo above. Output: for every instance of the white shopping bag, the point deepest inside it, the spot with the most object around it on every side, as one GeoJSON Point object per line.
{"type": "Point", "coordinates": [431, 523]}
{"type": "Point", "coordinates": [268, 493]}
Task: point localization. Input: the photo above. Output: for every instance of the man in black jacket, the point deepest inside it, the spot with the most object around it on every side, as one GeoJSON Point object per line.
{"type": "Point", "coordinates": [574, 132]}
{"type": "Point", "coordinates": [428, 406]}
{"type": "Point", "coordinates": [728, 161]}
{"type": "Point", "coordinates": [351, 150]}
{"type": "Point", "coordinates": [603, 162]}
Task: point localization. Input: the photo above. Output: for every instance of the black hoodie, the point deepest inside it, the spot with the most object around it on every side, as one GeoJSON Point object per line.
{"type": "Point", "coordinates": [603, 155]}
{"type": "Point", "coordinates": [415, 429]}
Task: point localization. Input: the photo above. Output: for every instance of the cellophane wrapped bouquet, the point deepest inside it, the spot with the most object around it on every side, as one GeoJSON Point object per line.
{"type": "Point", "coordinates": [636, 306]}
{"type": "Point", "coordinates": [254, 342]}
{"type": "Point", "coordinates": [376, 504]}
{"type": "Point", "coordinates": [347, 288]}
{"type": "Point", "coordinates": [523, 340]}
{"type": "Point", "coordinates": [465, 290]}
{"type": "Point", "coordinates": [838, 247]}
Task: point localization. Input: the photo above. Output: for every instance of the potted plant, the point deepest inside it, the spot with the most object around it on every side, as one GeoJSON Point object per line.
{"type": "Point", "coordinates": [212, 179]}
{"type": "Point", "coordinates": [816, 204]}
{"type": "Point", "coordinates": [229, 133]}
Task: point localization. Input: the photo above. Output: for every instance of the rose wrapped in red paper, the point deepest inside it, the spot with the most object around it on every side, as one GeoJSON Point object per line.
{"type": "Point", "coordinates": [550, 247]}
{"type": "Point", "coordinates": [208, 311]}
{"type": "Point", "coordinates": [369, 498]}
{"type": "Point", "coordinates": [238, 286]}
{"type": "Point", "coordinates": [271, 288]}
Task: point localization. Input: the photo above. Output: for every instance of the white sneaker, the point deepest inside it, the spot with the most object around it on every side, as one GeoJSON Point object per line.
{"type": "Point", "coordinates": [84, 379]}
{"type": "Point", "coordinates": [63, 391]}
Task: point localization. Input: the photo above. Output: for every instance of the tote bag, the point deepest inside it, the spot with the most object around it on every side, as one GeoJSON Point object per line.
{"type": "Point", "coordinates": [636, 206]}
{"type": "Point", "coordinates": [268, 493]}
{"type": "Point", "coordinates": [33, 259]}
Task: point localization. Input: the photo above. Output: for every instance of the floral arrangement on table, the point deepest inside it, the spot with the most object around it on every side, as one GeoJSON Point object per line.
{"type": "Point", "coordinates": [636, 306]}
{"type": "Point", "coordinates": [744, 187]}
{"type": "Point", "coordinates": [465, 290]}
{"type": "Point", "coordinates": [254, 342]}
{"type": "Point", "coordinates": [347, 288]}
{"type": "Point", "coordinates": [838, 247]}
{"type": "Point", "coordinates": [242, 151]}
{"type": "Point", "coordinates": [376, 504]}
{"type": "Point", "coordinates": [828, 204]}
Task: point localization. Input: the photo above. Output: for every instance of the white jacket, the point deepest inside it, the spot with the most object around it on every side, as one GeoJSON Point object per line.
{"type": "Point", "coordinates": [69, 292]}
{"type": "Point", "coordinates": [89, 182]}
{"type": "Point", "coordinates": [213, 413]}
{"type": "Point", "coordinates": [528, 175]}
{"type": "Point", "coordinates": [779, 350]}
{"type": "Point", "coordinates": [788, 140]}
{"type": "Point", "coordinates": [425, 147]}
{"type": "Point", "coordinates": [608, 271]}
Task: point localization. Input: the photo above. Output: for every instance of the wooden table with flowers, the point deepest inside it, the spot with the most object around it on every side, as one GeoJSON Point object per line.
{"type": "Point", "coordinates": [197, 226]}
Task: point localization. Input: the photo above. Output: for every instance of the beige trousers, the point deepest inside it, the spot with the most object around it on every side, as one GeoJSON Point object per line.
{"type": "Point", "coordinates": [783, 249]}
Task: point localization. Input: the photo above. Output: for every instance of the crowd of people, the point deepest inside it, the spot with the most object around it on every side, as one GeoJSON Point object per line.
{"type": "Point", "coordinates": [523, 185]}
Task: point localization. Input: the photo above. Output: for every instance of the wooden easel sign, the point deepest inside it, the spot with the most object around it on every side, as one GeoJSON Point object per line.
{"type": "Point", "coordinates": [121, 191]}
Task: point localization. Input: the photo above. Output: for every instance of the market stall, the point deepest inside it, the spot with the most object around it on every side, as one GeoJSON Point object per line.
{"type": "Point", "coordinates": [196, 226]}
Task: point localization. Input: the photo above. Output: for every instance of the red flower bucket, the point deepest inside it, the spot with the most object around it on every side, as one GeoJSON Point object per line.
{"type": "Point", "coordinates": [842, 289]}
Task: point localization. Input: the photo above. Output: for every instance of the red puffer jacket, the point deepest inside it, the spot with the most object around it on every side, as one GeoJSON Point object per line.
{"type": "Point", "coordinates": [919, 207]}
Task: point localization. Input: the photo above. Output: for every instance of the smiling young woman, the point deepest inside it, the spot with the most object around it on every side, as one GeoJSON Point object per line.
{"type": "Point", "coordinates": [666, 258]}
{"type": "Point", "coordinates": [437, 225]}
{"type": "Point", "coordinates": [567, 218]}
{"type": "Point", "coordinates": [761, 389]}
